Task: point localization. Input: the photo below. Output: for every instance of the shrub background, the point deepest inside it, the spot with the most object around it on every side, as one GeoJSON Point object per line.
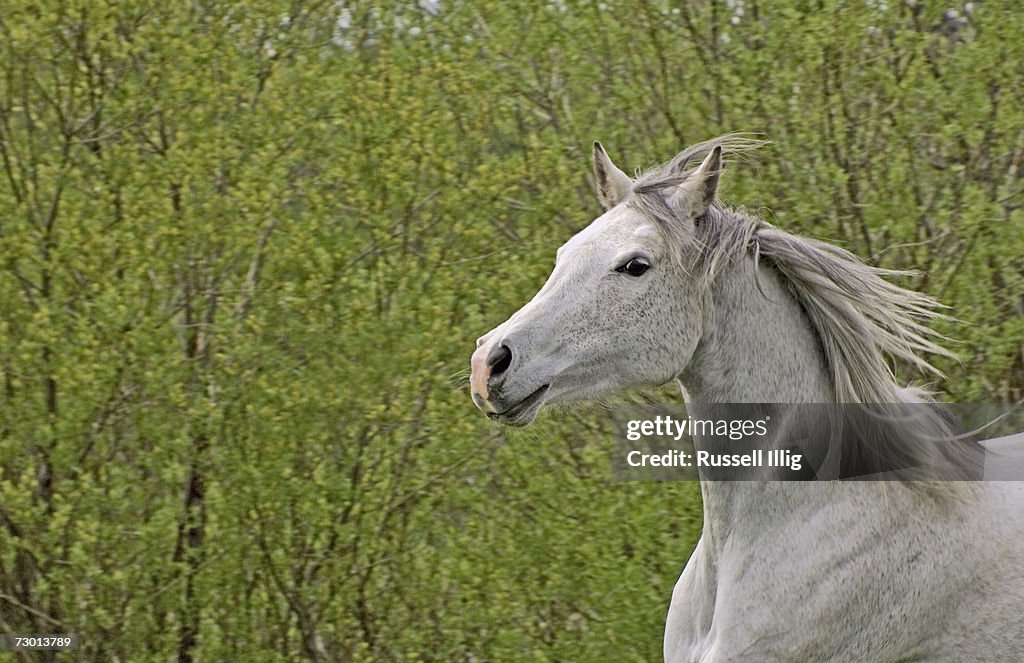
{"type": "Point", "coordinates": [245, 252]}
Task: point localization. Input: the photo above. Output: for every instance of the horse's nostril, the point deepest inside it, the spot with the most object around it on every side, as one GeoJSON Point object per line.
{"type": "Point", "coordinates": [499, 360]}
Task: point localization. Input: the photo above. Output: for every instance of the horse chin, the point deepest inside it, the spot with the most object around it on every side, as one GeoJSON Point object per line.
{"type": "Point", "coordinates": [525, 411]}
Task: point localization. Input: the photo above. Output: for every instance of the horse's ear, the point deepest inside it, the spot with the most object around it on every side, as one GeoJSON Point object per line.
{"type": "Point", "coordinates": [699, 189]}
{"type": "Point", "coordinates": [613, 185]}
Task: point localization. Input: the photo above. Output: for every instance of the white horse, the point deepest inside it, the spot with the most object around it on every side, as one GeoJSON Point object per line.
{"type": "Point", "coordinates": [669, 284]}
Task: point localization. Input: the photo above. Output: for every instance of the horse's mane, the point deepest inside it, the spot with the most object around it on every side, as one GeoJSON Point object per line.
{"type": "Point", "coordinates": [861, 318]}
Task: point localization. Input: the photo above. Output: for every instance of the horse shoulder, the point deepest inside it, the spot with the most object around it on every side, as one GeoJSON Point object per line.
{"type": "Point", "coordinates": [890, 586]}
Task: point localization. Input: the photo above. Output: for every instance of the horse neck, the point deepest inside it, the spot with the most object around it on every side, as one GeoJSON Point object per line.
{"type": "Point", "coordinates": [758, 347]}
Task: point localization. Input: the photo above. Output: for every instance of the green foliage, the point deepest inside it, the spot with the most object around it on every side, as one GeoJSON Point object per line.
{"type": "Point", "coordinates": [246, 250]}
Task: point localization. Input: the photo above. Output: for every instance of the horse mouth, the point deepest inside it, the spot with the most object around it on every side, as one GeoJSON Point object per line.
{"type": "Point", "coordinates": [523, 412]}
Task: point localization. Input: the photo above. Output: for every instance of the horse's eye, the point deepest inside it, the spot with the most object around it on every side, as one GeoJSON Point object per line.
{"type": "Point", "coordinates": [635, 267]}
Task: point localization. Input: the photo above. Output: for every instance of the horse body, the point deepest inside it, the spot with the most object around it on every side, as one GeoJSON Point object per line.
{"type": "Point", "coordinates": [668, 284]}
{"type": "Point", "coordinates": [854, 571]}
{"type": "Point", "coordinates": [833, 571]}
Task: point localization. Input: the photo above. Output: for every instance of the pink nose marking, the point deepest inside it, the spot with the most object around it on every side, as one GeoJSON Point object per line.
{"type": "Point", "coordinates": [480, 371]}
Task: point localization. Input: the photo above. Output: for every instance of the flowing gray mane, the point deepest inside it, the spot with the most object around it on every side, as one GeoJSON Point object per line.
{"type": "Point", "coordinates": [860, 317]}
